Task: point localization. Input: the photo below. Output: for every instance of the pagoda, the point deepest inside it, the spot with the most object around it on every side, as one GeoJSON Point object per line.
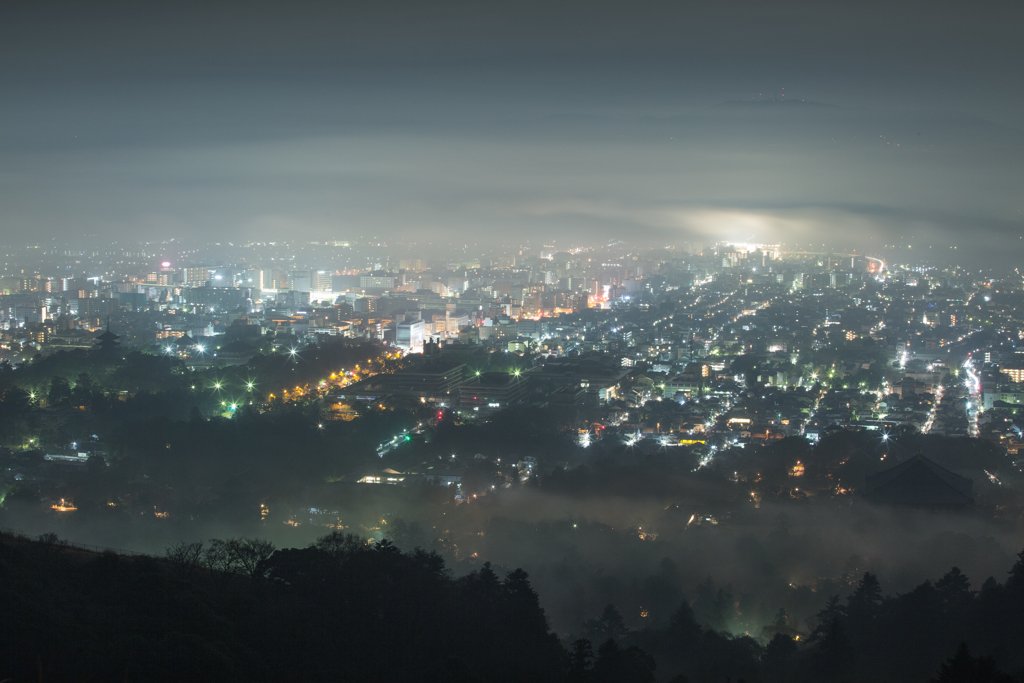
{"type": "Point", "coordinates": [108, 341]}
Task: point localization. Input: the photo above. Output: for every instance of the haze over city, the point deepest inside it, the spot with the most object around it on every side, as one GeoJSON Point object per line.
{"type": "Point", "coordinates": [573, 120]}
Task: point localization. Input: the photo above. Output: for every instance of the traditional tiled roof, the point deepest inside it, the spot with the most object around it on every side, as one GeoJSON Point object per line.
{"type": "Point", "coordinates": [919, 482]}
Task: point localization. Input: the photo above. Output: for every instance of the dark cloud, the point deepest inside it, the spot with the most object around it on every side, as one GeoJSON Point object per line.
{"type": "Point", "coordinates": [235, 119]}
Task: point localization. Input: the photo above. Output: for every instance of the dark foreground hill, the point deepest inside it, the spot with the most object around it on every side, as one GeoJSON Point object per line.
{"type": "Point", "coordinates": [238, 610]}
{"type": "Point", "coordinates": [354, 614]}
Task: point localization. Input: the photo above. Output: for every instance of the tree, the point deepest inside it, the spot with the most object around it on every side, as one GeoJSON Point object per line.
{"type": "Point", "coordinates": [617, 665]}
{"type": "Point", "coordinates": [828, 619]}
{"type": "Point", "coordinates": [218, 558]}
{"type": "Point", "coordinates": [406, 535]}
{"type": "Point", "coordinates": [704, 604]}
{"type": "Point", "coordinates": [581, 662]}
{"type": "Point", "coordinates": [659, 594]}
{"type": "Point", "coordinates": [955, 589]}
{"type": "Point", "coordinates": [340, 545]}
{"type": "Point", "coordinates": [724, 609]}
{"type": "Point", "coordinates": [862, 606]}
{"type": "Point", "coordinates": [186, 557]}
{"type": "Point", "coordinates": [833, 654]}
{"type": "Point", "coordinates": [953, 584]}
{"type": "Point", "coordinates": [484, 585]}
{"type": "Point", "coordinates": [1015, 582]}
{"type": "Point", "coordinates": [963, 668]}
{"type": "Point", "coordinates": [523, 603]}
{"type": "Point", "coordinates": [60, 391]}
{"type": "Point", "coordinates": [16, 402]}
{"type": "Point", "coordinates": [609, 625]}
{"type": "Point", "coordinates": [250, 555]}
{"type": "Point", "coordinates": [683, 627]}
{"type": "Point", "coordinates": [81, 395]}
{"type": "Point", "coordinates": [52, 541]}
{"type": "Point", "coordinates": [777, 656]}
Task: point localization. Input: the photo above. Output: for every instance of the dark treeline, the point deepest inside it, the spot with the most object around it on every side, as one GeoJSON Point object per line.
{"type": "Point", "coordinates": [343, 609]}
{"type": "Point", "coordinates": [111, 387]}
{"type": "Point", "coordinates": [864, 637]}
{"type": "Point", "coordinates": [340, 610]}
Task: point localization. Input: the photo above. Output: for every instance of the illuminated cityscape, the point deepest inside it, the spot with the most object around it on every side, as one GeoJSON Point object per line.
{"type": "Point", "coordinates": [533, 342]}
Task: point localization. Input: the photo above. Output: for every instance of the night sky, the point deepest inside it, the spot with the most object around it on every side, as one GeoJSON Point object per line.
{"type": "Point", "coordinates": [529, 120]}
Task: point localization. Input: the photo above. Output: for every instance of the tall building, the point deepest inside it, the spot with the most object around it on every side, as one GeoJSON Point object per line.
{"type": "Point", "coordinates": [299, 281]}
{"type": "Point", "coordinates": [1015, 371]}
{"type": "Point", "coordinates": [415, 265]}
{"type": "Point", "coordinates": [321, 281]}
{"type": "Point", "coordinates": [196, 276]}
{"type": "Point", "coordinates": [409, 335]}
{"type": "Point", "coordinates": [376, 282]}
{"type": "Point", "coordinates": [457, 284]}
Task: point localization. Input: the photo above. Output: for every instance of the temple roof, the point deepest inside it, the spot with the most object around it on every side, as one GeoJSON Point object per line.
{"type": "Point", "coordinates": [919, 481]}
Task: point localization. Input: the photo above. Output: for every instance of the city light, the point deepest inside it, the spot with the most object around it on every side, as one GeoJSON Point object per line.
{"type": "Point", "coordinates": [715, 247]}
